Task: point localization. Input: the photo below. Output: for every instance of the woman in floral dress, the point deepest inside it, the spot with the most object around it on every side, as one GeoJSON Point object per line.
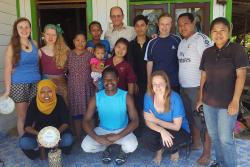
{"type": "Point", "coordinates": [80, 85]}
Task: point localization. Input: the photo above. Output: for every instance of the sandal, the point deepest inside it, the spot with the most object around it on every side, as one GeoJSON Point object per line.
{"type": "Point", "coordinates": [106, 156]}
{"type": "Point", "coordinates": [121, 158]}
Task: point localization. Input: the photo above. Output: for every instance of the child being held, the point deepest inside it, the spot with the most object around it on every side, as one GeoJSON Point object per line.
{"type": "Point", "coordinates": [97, 65]}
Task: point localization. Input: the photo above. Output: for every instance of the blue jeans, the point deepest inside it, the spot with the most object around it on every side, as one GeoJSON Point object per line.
{"type": "Point", "coordinates": [220, 127]}
{"type": "Point", "coordinates": [28, 141]}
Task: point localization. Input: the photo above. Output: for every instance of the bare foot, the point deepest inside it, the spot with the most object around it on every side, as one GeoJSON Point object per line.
{"type": "Point", "coordinates": [175, 156]}
{"type": "Point", "coordinates": [158, 157]}
{"type": "Point", "coordinates": [203, 160]}
{"type": "Point", "coordinates": [196, 146]}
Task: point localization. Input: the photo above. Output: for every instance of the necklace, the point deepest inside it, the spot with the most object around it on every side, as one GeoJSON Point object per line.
{"type": "Point", "coordinates": [26, 46]}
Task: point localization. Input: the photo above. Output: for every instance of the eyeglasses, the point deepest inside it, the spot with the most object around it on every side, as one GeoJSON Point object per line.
{"type": "Point", "coordinates": [116, 16]}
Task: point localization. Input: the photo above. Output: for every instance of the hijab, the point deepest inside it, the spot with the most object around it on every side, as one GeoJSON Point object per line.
{"type": "Point", "coordinates": [43, 106]}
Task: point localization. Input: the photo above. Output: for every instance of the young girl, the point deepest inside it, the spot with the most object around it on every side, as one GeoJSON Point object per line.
{"type": "Point", "coordinates": [80, 84]}
{"type": "Point", "coordinates": [97, 65]}
{"type": "Point", "coordinates": [53, 58]}
{"type": "Point", "coordinates": [127, 78]}
{"type": "Point", "coordinates": [21, 69]}
{"type": "Point", "coordinates": [95, 29]}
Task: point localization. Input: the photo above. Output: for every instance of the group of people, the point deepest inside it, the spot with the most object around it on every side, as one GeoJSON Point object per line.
{"type": "Point", "coordinates": [129, 80]}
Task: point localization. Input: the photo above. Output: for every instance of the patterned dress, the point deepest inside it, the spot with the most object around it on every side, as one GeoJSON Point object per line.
{"type": "Point", "coordinates": [80, 84]}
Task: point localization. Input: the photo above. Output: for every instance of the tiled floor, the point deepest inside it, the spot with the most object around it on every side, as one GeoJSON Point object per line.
{"type": "Point", "coordinates": [13, 157]}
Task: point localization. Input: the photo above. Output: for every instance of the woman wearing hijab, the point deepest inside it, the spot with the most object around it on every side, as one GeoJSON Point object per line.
{"type": "Point", "coordinates": [46, 109]}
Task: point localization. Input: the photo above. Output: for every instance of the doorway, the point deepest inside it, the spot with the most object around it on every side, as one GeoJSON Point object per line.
{"type": "Point", "coordinates": [71, 15]}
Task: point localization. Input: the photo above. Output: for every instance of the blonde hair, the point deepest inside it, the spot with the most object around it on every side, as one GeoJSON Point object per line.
{"type": "Point", "coordinates": [167, 93]}
{"type": "Point", "coordinates": [60, 49]}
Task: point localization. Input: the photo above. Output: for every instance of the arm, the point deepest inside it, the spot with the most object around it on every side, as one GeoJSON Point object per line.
{"type": "Point", "coordinates": [30, 120]}
{"type": "Point", "coordinates": [233, 107]}
{"type": "Point", "coordinates": [167, 138]}
{"type": "Point", "coordinates": [202, 83]}
{"type": "Point", "coordinates": [131, 88]}
{"type": "Point", "coordinates": [133, 124]}
{"type": "Point", "coordinates": [63, 127]}
{"type": "Point", "coordinates": [8, 69]}
{"type": "Point", "coordinates": [149, 69]}
{"type": "Point", "coordinates": [175, 125]}
{"type": "Point", "coordinates": [94, 69]}
{"type": "Point", "coordinates": [88, 126]}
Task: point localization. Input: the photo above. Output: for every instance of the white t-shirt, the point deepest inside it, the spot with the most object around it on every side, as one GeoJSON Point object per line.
{"type": "Point", "coordinates": [189, 55]}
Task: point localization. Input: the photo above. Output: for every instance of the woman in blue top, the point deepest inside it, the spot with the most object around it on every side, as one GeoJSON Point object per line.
{"type": "Point", "coordinates": [21, 69]}
{"type": "Point", "coordinates": [164, 116]}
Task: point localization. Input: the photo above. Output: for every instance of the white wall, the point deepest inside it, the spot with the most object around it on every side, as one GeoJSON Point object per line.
{"type": "Point", "coordinates": [7, 19]}
{"type": "Point", "coordinates": [218, 10]}
{"type": "Point", "coordinates": [101, 9]}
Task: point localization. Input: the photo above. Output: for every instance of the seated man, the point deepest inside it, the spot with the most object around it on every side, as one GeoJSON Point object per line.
{"type": "Point", "coordinates": [114, 106]}
{"type": "Point", "coordinates": [46, 109]}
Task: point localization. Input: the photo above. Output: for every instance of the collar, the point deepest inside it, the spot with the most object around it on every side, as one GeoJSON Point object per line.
{"type": "Point", "coordinates": [123, 27]}
{"type": "Point", "coordinates": [224, 47]}
{"type": "Point", "coordinates": [192, 36]}
{"type": "Point", "coordinates": [135, 40]}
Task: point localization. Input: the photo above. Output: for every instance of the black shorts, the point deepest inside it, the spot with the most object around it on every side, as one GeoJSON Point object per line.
{"type": "Point", "coordinates": [23, 92]}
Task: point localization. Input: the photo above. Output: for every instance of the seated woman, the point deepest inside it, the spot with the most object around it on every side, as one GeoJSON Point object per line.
{"type": "Point", "coordinates": [46, 109]}
{"type": "Point", "coordinates": [164, 115]}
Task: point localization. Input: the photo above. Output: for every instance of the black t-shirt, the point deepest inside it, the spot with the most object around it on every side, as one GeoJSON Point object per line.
{"type": "Point", "coordinates": [58, 116]}
{"type": "Point", "coordinates": [220, 66]}
{"type": "Point", "coordinates": [136, 59]}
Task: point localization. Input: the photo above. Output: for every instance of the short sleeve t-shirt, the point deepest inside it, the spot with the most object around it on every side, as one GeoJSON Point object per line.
{"type": "Point", "coordinates": [97, 63]}
{"type": "Point", "coordinates": [112, 110]}
{"type": "Point", "coordinates": [125, 71]}
{"type": "Point", "coordinates": [90, 44]}
{"type": "Point", "coordinates": [163, 53]}
{"type": "Point", "coordinates": [220, 66]}
{"type": "Point", "coordinates": [189, 55]}
{"type": "Point", "coordinates": [176, 110]}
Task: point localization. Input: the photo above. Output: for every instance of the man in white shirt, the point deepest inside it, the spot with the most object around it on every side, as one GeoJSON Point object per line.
{"type": "Point", "coordinates": [189, 54]}
{"type": "Point", "coordinates": [118, 29]}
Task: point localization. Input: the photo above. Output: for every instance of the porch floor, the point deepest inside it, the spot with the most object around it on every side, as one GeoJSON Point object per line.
{"type": "Point", "coordinates": [14, 157]}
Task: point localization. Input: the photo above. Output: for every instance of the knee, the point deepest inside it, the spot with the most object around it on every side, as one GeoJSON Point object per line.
{"type": "Point", "coordinates": [86, 146]}
{"type": "Point", "coordinates": [67, 140]}
{"type": "Point", "coordinates": [130, 146]}
{"type": "Point", "coordinates": [226, 139]}
{"type": "Point", "coordinates": [27, 143]}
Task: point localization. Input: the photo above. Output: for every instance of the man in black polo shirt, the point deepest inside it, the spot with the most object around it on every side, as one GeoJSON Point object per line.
{"type": "Point", "coordinates": [137, 48]}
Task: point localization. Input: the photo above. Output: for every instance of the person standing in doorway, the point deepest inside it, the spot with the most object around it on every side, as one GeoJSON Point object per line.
{"type": "Point", "coordinates": [189, 54]}
{"type": "Point", "coordinates": [118, 29]}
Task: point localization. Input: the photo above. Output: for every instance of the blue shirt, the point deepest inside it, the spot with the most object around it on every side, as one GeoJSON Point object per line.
{"type": "Point", "coordinates": [90, 44]}
{"type": "Point", "coordinates": [176, 110]}
{"type": "Point", "coordinates": [163, 53]}
{"type": "Point", "coordinates": [112, 110]}
{"type": "Point", "coordinates": [27, 69]}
